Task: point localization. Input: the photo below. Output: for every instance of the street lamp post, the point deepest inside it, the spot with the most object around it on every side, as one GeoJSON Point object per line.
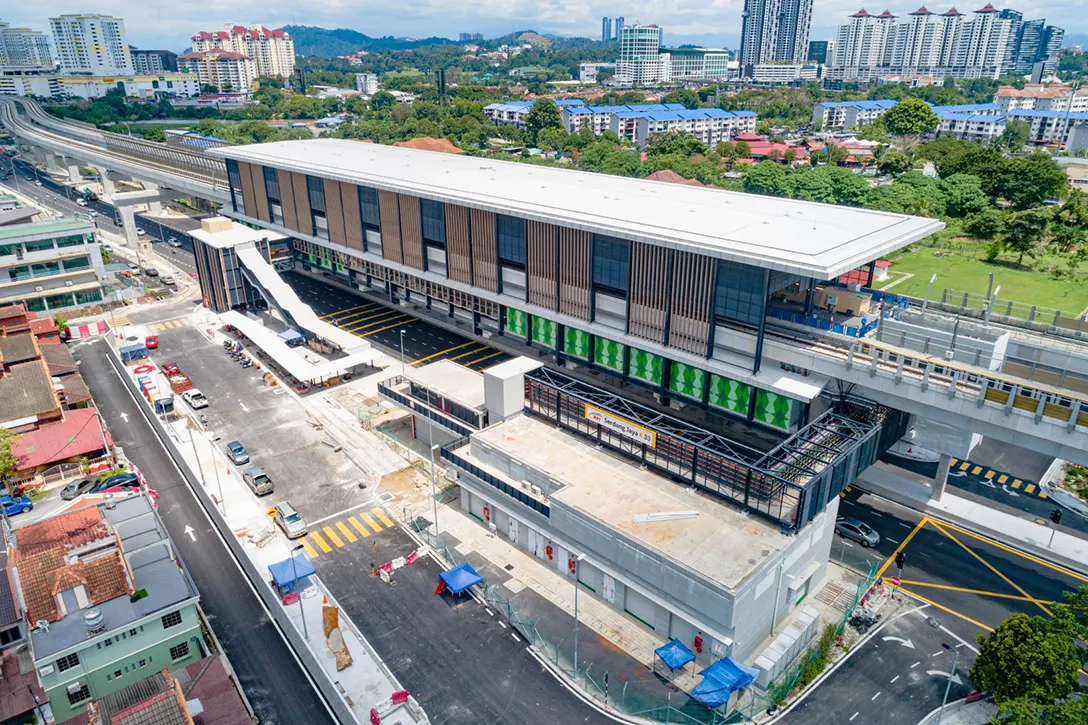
{"type": "Point", "coordinates": [434, 489]}
{"type": "Point", "coordinates": [403, 367]}
{"type": "Point", "coordinates": [294, 572]}
{"type": "Point", "coordinates": [948, 687]}
{"type": "Point", "coordinates": [577, 566]}
{"type": "Point", "coordinates": [222, 501]}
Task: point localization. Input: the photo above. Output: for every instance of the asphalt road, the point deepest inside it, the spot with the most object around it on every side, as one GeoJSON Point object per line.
{"type": "Point", "coordinates": [272, 680]}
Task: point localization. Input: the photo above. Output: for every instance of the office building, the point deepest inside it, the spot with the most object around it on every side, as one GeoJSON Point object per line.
{"type": "Point", "coordinates": [590, 72]}
{"type": "Point", "coordinates": [606, 30]}
{"type": "Point", "coordinates": [144, 87]}
{"type": "Point", "coordinates": [108, 601]}
{"type": "Point", "coordinates": [50, 266]}
{"type": "Point", "coordinates": [641, 62]}
{"type": "Point", "coordinates": [366, 83]}
{"type": "Point", "coordinates": [617, 27]}
{"type": "Point", "coordinates": [94, 45]}
{"type": "Point", "coordinates": [818, 51]}
{"type": "Point", "coordinates": [153, 62]}
{"type": "Point", "coordinates": [272, 52]}
{"type": "Point", "coordinates": [784, 73]}
{"type": "Point", "coordinates": [24, 51]}
{"type": "Point", "coordinates": [710, 64]}
{"type": "Point", "coordinates": [226, 71]}
{"type": "Point", "coordinates": [774, 30]}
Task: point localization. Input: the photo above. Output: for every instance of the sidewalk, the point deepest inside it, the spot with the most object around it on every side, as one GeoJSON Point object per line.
{"type": "Point", "coordinates": [1034, 538]}
{"type": "Point", "coordinates": [963, 713]}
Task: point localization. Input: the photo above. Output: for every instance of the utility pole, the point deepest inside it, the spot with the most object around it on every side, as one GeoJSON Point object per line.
{"type": "Point", "coordinates": [294, 573]}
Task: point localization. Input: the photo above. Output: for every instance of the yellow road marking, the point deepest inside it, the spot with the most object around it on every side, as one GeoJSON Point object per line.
{"type": "Point", "coordinates": [965, 466]}
{"type": "Point", "coordinates": [943, 608]}
{"type": "Point", "coordinates": [1002, 478]}
{"type": "Point", "coordinates": [1016, 483]}
{"type": "Point", "coordinates": [443, 352]}
{"type": "Point", "coordinates": [1029, 488]}
{"type": "Point", "coordinates": [953, 461]}
{"type": "Point", "coordinates": [340, 312]}
{"type": "Point", "coordinates": [401, 323]}
{"type": "Point", "coordinates": [358, 527]}
{"type": "Point", "coordinates": [989, 475]}
{"type": "Point", "coordinates": [486, 357]}
{"type": "Point", "coordinates": [980, 592]}
{"type": "Point", "coordinates": [470, 352]}
{"type": "Point", "coordinates": [183, 321]}
{"type": "Point", "coordinates": [1042, 493]}
{"type": "Point", "coordinates": [1021, 554]}
{"type": "Point", "coordinates": [356, 316]}
{"type": "Point", "coordinates": [382, 319]}
{"type": "Point", "coordinates": [847, 489]}
{"type": "Point", "coordinates": [901, 546]}
{"type": "Point", "coordinates": [333, 537]}
{"type": "Point", "coordinates": [370, 522]}
{"type": "Point", "coordinates": [309, 549]}
{"type": "Point", "coordinates": [976, 470]}
{"type": "Point", "coordinates": [994, 569]}
{"type": "Point", "coordinates": [346, 532]}
{"type": "Point", "coordinates": [320, 542]}
{"type": "Point", "coordinates": [372, 315]}
{"type": "Point", "coordinates": [383, 518]}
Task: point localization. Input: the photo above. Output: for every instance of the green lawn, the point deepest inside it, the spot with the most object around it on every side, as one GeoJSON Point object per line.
{"type": "Point", "coordinates": [963, 273]}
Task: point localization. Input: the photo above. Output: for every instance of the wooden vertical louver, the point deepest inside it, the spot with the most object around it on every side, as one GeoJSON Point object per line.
{"type": "Point", "coordinates": [260, 194]}
{"type": "Point", "coordinates": [411, 230]}
{"type": "Point", "coordinates": [574, 272]}
{"type": "Point", "coordinates": [542, 248]}
{"type": "Point", "coordinates": [692, 283]}
{"type": "Point", "coordinates": [302, 203]}
{"type": "Point", "coordinates": [334, 211]}
{"type": "Point", "coordinates": [484, 251]}
{"type": "Point", "coordinates": [248, 200]}
{"type": "Point", "coordinates": [390, 218]}
{"type": "Point", "coordinates": [287, 200]}
{"type": "Point", "coordinates": [353, 219]}
{"type": "Point", "coordinates": [458, 244]}
{"type": "Point", "coordinates": [649, 292]}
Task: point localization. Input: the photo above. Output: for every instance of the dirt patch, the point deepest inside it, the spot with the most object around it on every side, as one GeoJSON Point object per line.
{"type": "Point", "coordinates": [406, 481]}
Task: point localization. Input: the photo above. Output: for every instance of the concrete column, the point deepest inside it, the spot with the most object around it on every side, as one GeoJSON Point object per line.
{"type": "Point", "coordinates": [108, 189]}
{"type": "Point", "coordinates": [941, 479]}
{"type": "Point", "coordinates": [51, 162]}
{"type": "Point", "coordinates": [73, 171]}
{"type": "Point", "coordinates": [128, 223]}
{"type": "Point", "coordinates": [154, 207]}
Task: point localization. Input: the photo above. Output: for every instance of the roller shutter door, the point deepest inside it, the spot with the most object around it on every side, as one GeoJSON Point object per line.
{"type": "Point", "coordinates": [640, 607]}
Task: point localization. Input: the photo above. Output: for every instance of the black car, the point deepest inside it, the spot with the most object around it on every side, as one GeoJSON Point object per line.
{"type": "Point", "coordinates": [75, 489]}
{"type": "Point", "coordinates": [126, 480]}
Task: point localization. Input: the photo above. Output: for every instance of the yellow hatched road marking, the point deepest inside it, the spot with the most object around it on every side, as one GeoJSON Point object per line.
{"type": "Point", "coordinates": [346, 532]}
{"type": "Point", "coordinates": [401, 323]}
{"type": "Point", "coordinates": [980, 592]}
{"type": "Point", "coordinates": [1029, 488]}
{"type": "Point", "coordinates": [964, 466]}
{"type": "Point", "coordinates": [847, 489]}
{"type": "Point", "coordinates": [359, 316]}
{"type": "Point", "coordinates": [470, 352]}
{"type": "Point", "coordinates": [370, 522]}
{"type": "Point", "coordinates": [486, 357]}
{"type": "Point", "coordinates": [1042, 493]}
{"type": "Point", "coordinates": [1002, 478]}
{"type": "Point", "coordinates": [1021, 554]}
{"type": "Point", "coordinates": [333, 537]}
{"type": "Point", "coordinates": [901, 546]}
{"type": "Point", "coordinates": [976, 470]}
{"type": "Point", "coordinates": [442, 352]}
{"type": "Point", "coordinates": [358, 527]}
{"type": "Point", "coordinates": [309, 549]}
{"type": "Point", "coordinates": [183, 321]}
{"type": "Point", "coordinates": [320, 542]}
{"type": "Point", "coordinates": [383, 518]}
{"type": "Point", "coordinates": [1016, 483]}
{"type": "Point", "coordinates": [341, 312]}
{"type": "Point", "coordinates": [943, 608]}
{"type": "Point", "coordinates": [989, 475]}
{"type": "Point", "coordinates": [953, 461]}
{"type": "Point", "coordinates": [378, 318]}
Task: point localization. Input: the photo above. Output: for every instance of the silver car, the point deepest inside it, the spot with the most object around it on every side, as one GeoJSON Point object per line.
{"type": "Point", "coordinates": [290, 521]}
{"type": "Point", "coordinates": [859, 531]}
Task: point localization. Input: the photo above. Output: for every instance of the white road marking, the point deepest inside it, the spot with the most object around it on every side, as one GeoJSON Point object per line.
{"type": "Point", "coordinates": [124, 416]}
{"type": "Point", "coordinates": [915, 665]}
{"type": "Point", "coordinates": [502, 624]}
{"type": "Point", "coordinates": [516, 638]}
{"type": "Point", "coordinates": [909, 526]}
{"type": "Point", "coordinates": [489, 612]}
{"type": "Point", "coordinates": [189, 531]}
{"type": "Point", "coordinates": [905, 642]}
{"type": "Point", "coordinates": [874, 513]}
{"type": "Point", "coordinates": [895, 678]}
{"type": "Point", "coordinates": [853, 716]}
{"type": "Point", "coordinates": [937, 653]}
{"type": "Point", "coordinates": [874, 697]}
{"type": "Point", "coordinates": [893, 541]}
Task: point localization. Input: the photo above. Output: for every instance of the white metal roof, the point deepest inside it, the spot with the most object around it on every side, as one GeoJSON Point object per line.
{"type": "Point", "coordinates": [817, 240]}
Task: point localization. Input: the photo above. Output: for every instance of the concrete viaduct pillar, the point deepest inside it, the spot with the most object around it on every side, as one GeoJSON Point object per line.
{"type": "Point", "coordinates": [154, 207]}
{"type": "Point", "coordinates": [132, 239]}
{"type": "Point", "coordinates": [941, 479]}
{"type": "Point", "coordinates": [108, 189]}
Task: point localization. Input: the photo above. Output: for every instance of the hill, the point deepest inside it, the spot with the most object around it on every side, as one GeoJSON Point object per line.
{"type": "Point", "coordinates": [315, 42]}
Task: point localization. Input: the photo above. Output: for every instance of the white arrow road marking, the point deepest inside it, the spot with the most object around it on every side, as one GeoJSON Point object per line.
{"type": "Point", "coordinates": [124, 417]}
{"type": "Point", "coordinates": [243, 406]}
{"type": "Point", "coordinates": [938, 673]}
{"type": "Point", "coordinates": [1009, 491]}
{"type": "Point", "coordinates": [189, 531]}
{"type": "Point", "coordinates": [905, 642]}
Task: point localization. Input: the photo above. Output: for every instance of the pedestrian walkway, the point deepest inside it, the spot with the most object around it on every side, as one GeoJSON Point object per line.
{"type": "Point", "coordinates": [347, 530]}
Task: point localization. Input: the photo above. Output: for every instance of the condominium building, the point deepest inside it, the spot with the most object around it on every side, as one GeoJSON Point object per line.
{"type": "Point", "coordinates": [227, 71]}
{"type": "Point", "coordinates": [23, 50]}
{"type": "Point", "coordinates": [820, 51]}
{"type": "Point", "coordinates": [108, 602]}
{"type": "Point", "coordinates": [784, 73]}
{"type": "Point", "coordinates": [710, 125]}
{"type": "Point", "coordinates": [147, 87]}
{"type": "Point", "coordinates": [91, 45]}
{"type": "Point", "coordinates": [272, 52]}
{"type": "Point", "coordinates": [606, 29]}
{"type": "Point", "coordinates": [50, 266]}
{"type": "Point", "coordinates": [152, 62]}
{"type": "Point", "coordinates": [848, 115]}
{"type": "Point", "coordinates": [774, 30]}
{"type": "Point", "coordinates": [366, 83]}
{"type": "Point", "coordinates": [617, 27]}
{"type": "Point", "coordinates": [1037, 97]}
{"type": "Point", "coordinates": [641, 62]}
{"type": "Point", "coordinates": [599, 118]}
{"type": "Point", "coordinates": [698, 64]}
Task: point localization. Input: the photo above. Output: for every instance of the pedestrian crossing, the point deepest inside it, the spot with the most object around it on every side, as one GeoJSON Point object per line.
{"type": "Point", "coordinates": [120, 322]}
{"type": "Point", "coordinates": [348, 530]}
{"type": "Point", "coordinates": [998, 478]}
{"type": "Point", "coordinates": [169, 324]}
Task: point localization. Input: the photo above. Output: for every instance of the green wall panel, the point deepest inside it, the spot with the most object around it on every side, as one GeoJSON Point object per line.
{"type": "Point", "coordinates": [544, 331]}
{"type": "Point", "coordinates": [517, 322]}
{"type": "Point", "coordinates": [576, 343]}
{"type": "Point", "coordinates": [608, 353]}
{"type": "Point", "coordinates": [729, 394]}
{"type": "Point", "coordinates": [687, 380]}
{"type": "Point", "coordinates": [646, 366]}
{"type": "Point", "coordinates": [773, 409]}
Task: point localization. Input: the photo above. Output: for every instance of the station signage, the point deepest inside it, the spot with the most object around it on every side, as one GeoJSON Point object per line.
{"type": "Point", "coordinates": [621, 425]}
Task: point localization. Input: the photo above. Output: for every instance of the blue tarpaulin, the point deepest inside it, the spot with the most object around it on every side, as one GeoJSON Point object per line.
{"type": "Point", "coordinates": [720, 680]}
{"type": "Point", "coordinates": [129, 353]}
{"type": "Point", "coordinates": [290, 335]}
{"type": "Point", "coordinates": [284, 572]}
{"type": "Point", "coordinates": [458, 579]}
{"type": "Point", "coordinates": [675, 654]}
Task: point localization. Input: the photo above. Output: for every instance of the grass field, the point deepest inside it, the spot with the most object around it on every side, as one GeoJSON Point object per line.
{"type": "Point", "coordinates": [966, 274]}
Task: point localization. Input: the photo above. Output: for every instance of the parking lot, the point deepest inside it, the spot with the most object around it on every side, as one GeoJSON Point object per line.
{"type": "Point", "coordinates": [275, 429]}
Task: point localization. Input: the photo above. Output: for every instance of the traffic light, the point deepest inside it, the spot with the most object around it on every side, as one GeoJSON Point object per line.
{"type": "Point", "coordinates": [900, 559]}
{"type": "Point", "coordinates": [1056, 515]}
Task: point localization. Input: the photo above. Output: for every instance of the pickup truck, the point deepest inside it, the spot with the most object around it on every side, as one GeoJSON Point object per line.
{"type": "Point", "coordinates": [258, 481]}
{"type": "Point", "coordinates": [180, 382]}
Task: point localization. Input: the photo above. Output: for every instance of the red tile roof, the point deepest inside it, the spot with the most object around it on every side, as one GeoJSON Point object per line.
{"type": "Point", "coordinates": [861, 14]}
{"type": "Point", "coordinates": [210, 683]}
{"type": "Point", "coordinates": [17, 689]}
{"type": "Point", "coordinates": [988, 9]}
{"type": "Point", "coordinates": [79, 434]}
{"type": "Point", "coordinates": [41, 327]}
{"type": "Point", "coordinates": [76, 527]}
{"type": "Point", "coordinates": [951, 13]}
{"type": "Point", "coordinates": [921, 11]}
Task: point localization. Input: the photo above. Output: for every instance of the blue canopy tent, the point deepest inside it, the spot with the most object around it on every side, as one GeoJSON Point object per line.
{"type": "Point", "coordinates": [288, 573]}
{"type": "Point", "coordinates": [720, 680]}
{"type": "Point", "coordinates": [458, 579]}
{"type": "Point", "coordinates": [131, 353]}
{"type": "Point", "coordinates": [674, 654]}
{"type": "Point", "coordinates": [292, 337]}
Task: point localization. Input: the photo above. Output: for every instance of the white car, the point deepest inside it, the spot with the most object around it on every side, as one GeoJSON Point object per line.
{"type": "Point", "coordinates": [173, 242]}
{"type": "Point", "coordinates": [140, 232]}
{"type": "Point", "coordinates": [195, 399]}
{"type": "Point", "coordinates": [167, 279]}
{"type": "Point", "coordinates": [38, 183]}
{"type": "Point", "coordinates": [81, 201]}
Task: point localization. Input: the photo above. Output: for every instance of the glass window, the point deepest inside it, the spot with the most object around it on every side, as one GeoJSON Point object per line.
{"type": "Point", "coordinates": [271, 183]}
{"type": "Point", "coordinates": [19, 272]}
{"type": "Point", "coordinates": [68, 662]}
{"type": "Point", "coordinates": [321, 226]}
{"type": "Point", "coordinates": [76, 263]}
{"type": "Point", "coordinates": [611, 262]}
{"type": "Point", "coordinates": [6, 249]}
{"type": "Point", "coordinates": [234, 176]}
{"type": "Point", "coordinates": [434, 220]}
{"type": "Point", "coordinates": [511, 233]}
{"type": "Point", "coordinates": [44, 269]}
{"type": "Point", "coordinates": [739, 293]}
{"type": "Point", "coordinates": [56, 302]}
{"type": "Point", "coordinates": [72, 241]}
{"type": "Point", "coordinates": [171, 620]}
{"type": "Point", "coordinates": [38, 245]}
{"type": "Point", "coordinates": [368, 205]}
{"type": "Point", "coordinates": [36, 304]}
{"type": "Point", "coordinates": [86, 297]}
{"type": "Point", "coordinates": [179, 651]}
{"type": "Point", "coordinates": [316, 189]}
{"type": "Point", "coordinates": [83, 693]}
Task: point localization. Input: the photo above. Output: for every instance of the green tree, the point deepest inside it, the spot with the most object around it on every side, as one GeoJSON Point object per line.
{"type": "Point", "coordinates": [895, 163]}
{"type": "Point", "coordinates": [1026, 658]}
{"type": "Point", "coordinates": [7, 456]}
{"type": "Point", "coordinates": [964, 195]}
{"type": "Point", "coordinates": [1028, 181]}
{"type": "Point", "coordinates": [675, 143]}
{"type": "Point", "coordinates": [1022, 711]}
{"type": "Point", "coordinates": [544, 114]}
{"type": "Point", "coordinates": [988, 164]}
{"type": "Point", "coordinates": [154, 134]}
{"type": "Point", "coordinates": [552, 139]}
{"type": "Point", "coordinates": [690, 99]}
{"type": "Point", "coordinates": [766, 177]}
{"type": "Point", "coordinates": [986, 224]}
{"type": "Point", "coordinates": [1026, 231]}
{"type": "Point", "coordinates": [742, 150]}
{"type": "Point", "coordinates": [382, 100]}
{"type": "Point", "coordinates": [910, 117]}
{"type": "Point", "coordinates": [1015, 135]}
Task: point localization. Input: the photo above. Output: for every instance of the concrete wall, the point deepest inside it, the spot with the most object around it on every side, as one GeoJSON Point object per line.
{"type": "Point", "coordinates": [1059, 366]}
{"type": "Point", "coordinates": [974, 344]}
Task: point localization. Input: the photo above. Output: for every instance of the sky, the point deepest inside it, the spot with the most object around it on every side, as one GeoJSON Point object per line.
{"type": "Point", "coordinates": [169, 23]}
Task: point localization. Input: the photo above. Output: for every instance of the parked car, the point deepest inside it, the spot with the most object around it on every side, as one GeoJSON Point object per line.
{"type": "Point", "coordinates": [81, 201]}
{"type": "Point", "coordinates": [151, 272]}
{"type": "Point", "coordinates": [133, 267]}
{"type": "Point", "coordinates": [195, 399]}
{"type": "Point", "coordinates": [858, 531]}
{"type": "Point", "coordinates": [173, 242]}
{"type": "Point", "coordinates": [122, 479]}
{"type": "Point", "coordinates": [290, 521]}
{"type": "Point", "coordinates": [151, 342]}
{"type": "Point", "coordinates": [38, 182]}
{"type": "Point", "coordinates": [168, 279]}
{"type": "Point", "coordinates": [140, 232]}
{"type": "Point", "coordinates": [258, 481]}
{"type": "Point", "coordinates": [75, 489]}
{"type": "Point", "coordinates": [20, 505]}
{"type": "Point", "coordinates": [171, 368]}
{"type": "Point", "coordinates": [237, 453]}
